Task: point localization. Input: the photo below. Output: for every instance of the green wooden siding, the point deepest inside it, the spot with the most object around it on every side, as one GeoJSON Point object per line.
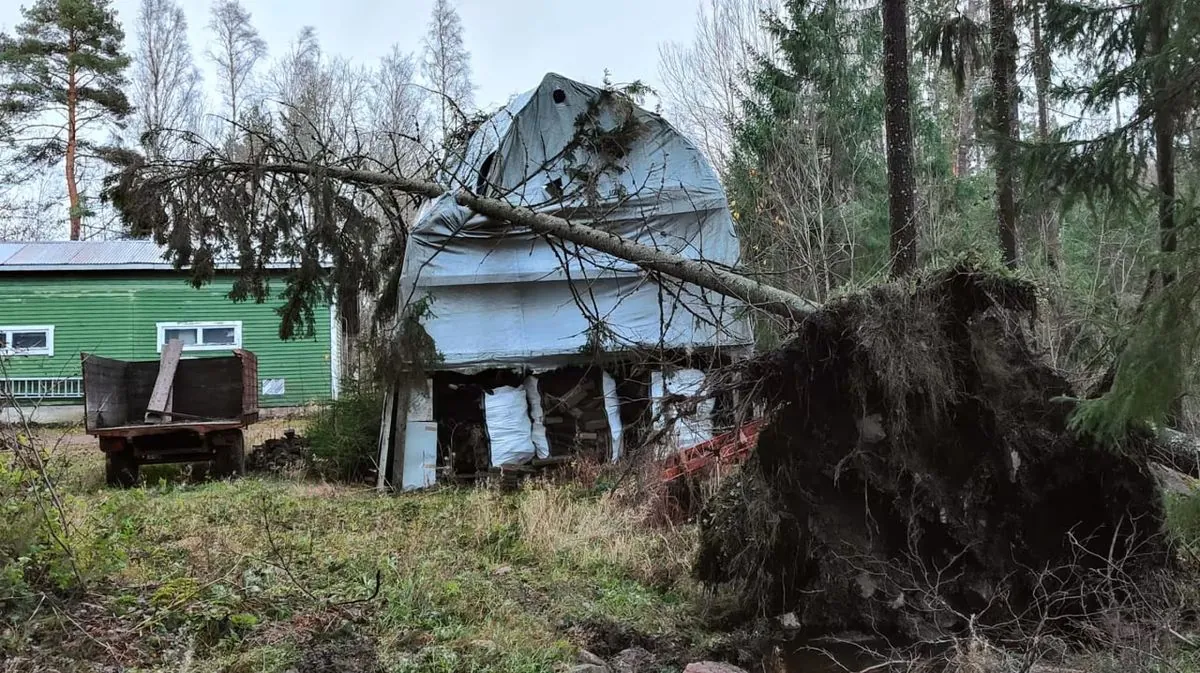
{"type": "Point", "coordinates": [116, 315]}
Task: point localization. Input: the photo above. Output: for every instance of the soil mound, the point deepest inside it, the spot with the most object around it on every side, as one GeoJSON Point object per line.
{"type": "Point", "coordinates": [917, 475]}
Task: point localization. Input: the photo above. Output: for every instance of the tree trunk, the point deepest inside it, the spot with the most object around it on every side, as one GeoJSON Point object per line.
{"type": "Point", "coordinates": [965, 121]}
{"type": "Point", "coordinates": [1164, 138]}
{"type": "Point", "coordinates": [1004, 66]}
{"type": "Point", "coordinates": [1164, 160]}
{"type": "Point", "coordinates": [72, 146]}
{"type": "Point", "coordinates": [706, 275]}
{"type": "Point", "coordinates": [1051, 237]}
{"type": "Point", "coordinates": [901, 213]}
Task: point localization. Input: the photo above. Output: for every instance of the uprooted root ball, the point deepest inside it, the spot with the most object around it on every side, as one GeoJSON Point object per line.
{"type": "Point", "coordinates": [918, 474]}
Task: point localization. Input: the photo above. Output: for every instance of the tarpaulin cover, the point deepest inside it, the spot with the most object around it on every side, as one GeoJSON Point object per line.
{"type": "Point", "coordinates": [502, 295]}
{"type": "Point", "coordinates": [537, 417]}
{"type": "Point", "coordinates": [612, 409]}
{"type": "Point", "coordinates": [506, 412]}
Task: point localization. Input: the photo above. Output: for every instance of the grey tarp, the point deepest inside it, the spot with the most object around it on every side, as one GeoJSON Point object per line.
{"type": "Point", "coordinates": [502, 295]}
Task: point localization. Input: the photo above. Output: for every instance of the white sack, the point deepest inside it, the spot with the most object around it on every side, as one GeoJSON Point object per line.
{"type": "Point", "coordinates": [612, 408]}
{"type": "Point", "coordinates": [536, 416]}
{"type": "Point", "coordinates": [689, 430]}
{"type": "Point", "coordinates": [506, 410]}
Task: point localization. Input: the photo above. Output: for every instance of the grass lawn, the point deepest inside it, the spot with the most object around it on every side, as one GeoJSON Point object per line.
{"type": "Point", "coordinates": [260, 575]}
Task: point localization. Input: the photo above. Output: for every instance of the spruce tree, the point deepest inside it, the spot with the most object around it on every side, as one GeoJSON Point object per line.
{"type": "Point", "coordinates": [898, 125]}
{"type": "Point", "coordinates": [1141, 56]}
{"type": "Point", "coordinates": [65, 62]}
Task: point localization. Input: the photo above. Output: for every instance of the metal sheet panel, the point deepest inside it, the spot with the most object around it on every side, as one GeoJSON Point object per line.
{"type": "Point", "coordinates": [118, 255]}
{"type": "Point", "coordinates": [420, 455]}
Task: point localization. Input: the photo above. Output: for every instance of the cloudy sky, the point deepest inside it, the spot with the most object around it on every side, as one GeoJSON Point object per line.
{"type": "Point", "coordinates": [512, 42]}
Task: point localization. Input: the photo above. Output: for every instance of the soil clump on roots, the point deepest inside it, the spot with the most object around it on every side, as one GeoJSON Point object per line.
{"type": "Point", "coordinates": [918, 477]}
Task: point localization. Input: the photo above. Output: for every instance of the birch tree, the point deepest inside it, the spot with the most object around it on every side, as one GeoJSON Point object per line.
{"type": "Point", "coordinates": [447, 67]}
{"type": "Point", "coordinates": [166, 83]}
{"type": "Point", "coordinates": [235, 50]}
{"type": "Point", "coordinates": [705, 81]}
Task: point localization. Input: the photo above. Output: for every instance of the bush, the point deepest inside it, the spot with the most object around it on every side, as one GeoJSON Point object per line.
{"type": "Point", "coordinates": [344, 435]}
{"type": "Point", "coordinates": [1183, 519]}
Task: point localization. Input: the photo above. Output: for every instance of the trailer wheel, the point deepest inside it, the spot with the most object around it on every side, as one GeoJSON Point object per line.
{"type": "Point", "coordinates": [230, 448]}
{"type": "Point", "coordinates": [121, 468]}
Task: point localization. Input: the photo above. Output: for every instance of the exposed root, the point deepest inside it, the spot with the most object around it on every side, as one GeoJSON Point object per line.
{"type": "Point", "coordinates": [918, 475]}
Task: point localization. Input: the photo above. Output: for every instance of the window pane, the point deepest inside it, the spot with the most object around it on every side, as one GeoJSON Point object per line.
{"type": "Point", "coordinates": [186, 336]}
{"type": "Point", "coordinates": [3, 339]}
{"type": "Point", "coordinates": [29, 340]}
{"type": "Point", "coordinates": [218, 336]}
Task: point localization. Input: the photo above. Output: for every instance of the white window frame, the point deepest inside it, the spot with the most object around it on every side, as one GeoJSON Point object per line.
{"type": "Point", "coordinates": [235, 324]}
{"type": "Point", "coordinates": [9, 350]}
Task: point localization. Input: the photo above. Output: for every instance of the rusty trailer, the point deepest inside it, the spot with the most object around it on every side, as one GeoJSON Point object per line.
{"type": "Point", "coordinates": [170, 410]}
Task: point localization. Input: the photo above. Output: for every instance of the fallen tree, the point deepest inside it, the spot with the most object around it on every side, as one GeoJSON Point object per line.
{"type": "Point", "coordinates": [918, 475]}
{"type": "Point", "coordinates": [140, 192]}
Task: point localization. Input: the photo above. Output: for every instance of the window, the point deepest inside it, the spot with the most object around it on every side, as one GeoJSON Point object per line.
{"type": "Point", "coordinates": [201, 336]}
{"type": "Point", "coordinates": [27, 340]}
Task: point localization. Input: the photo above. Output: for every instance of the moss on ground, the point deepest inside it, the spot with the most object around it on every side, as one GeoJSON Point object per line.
{"type": "Point", "coordinates": [267, 575]}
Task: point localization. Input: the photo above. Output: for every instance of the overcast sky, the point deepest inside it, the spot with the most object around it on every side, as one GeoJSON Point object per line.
{"type": "Point", "coordinates": [512, 42]}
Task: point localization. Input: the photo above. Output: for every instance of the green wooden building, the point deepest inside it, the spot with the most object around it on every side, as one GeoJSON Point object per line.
{"type": "Point", "coordinates": [121, 299]}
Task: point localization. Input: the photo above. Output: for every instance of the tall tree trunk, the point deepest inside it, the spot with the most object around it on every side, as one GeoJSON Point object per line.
{"type": "Point", "coordinates": [72, 146]}
{"type": "Point", "coordinates": [1051, 237]}
{"type": "Point", "coordinates": [1004, 68]}
{"type": "Point", "coordinates": [898, 123]}
{"type": "Point", "coordinates": [965, 119]}
{"type": "Point", "coordinates": [1164, 135]}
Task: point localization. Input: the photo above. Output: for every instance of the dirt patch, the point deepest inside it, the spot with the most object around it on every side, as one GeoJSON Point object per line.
{"type": "Point", "coordinates": [341, 651]}
{"type": "Point", "coordinates": [918, 476]}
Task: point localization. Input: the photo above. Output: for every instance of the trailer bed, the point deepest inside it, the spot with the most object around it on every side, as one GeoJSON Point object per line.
{"type": "Point", "coordinates": [143, 429]}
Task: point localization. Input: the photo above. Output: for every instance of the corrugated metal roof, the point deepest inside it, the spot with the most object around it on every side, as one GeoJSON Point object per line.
{"type": "Point", "coordinates": [122, 255]}
{"type": "Point", "coordinates": [8, 249]}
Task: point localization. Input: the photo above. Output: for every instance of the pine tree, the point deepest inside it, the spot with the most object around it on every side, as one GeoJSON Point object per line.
{"type": "Point", "coordinates": [65, 60]}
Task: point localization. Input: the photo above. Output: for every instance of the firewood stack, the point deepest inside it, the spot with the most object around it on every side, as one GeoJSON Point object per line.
{"type": "Point", "coordinates": [576, 422]}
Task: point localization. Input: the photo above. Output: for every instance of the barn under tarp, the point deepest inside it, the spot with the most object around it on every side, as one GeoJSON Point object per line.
{"type": "Point", "coordinates": [491, 295]}
{"type": "Point", "coordinates": [502, 295]}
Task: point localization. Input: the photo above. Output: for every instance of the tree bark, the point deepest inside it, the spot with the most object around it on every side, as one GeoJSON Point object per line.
{"type": "Point", "coordinates": [1051, 236]}
{"type": "Point", "coordinates": [898, 125]}
{"type": "Point", "coordinates": [72, 145]}
{"type": "Point", "coordinates": [1164, 137]}
{"type": "Point", "coordinates": [966, 107]}
{"type": "Point", "coordinates": [1004, 66]}
{"type": "Point", "coordinates": [706, 275]}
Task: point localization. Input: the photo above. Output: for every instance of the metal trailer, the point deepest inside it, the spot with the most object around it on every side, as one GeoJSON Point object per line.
{"type": "Point", "coordinates": [170, 411]}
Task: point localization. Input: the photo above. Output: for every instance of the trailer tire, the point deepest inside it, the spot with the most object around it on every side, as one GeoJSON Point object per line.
{"type": "Point", "coordinates": [121, 469]}
{"type": "Point", "coordinates": [230, 449]}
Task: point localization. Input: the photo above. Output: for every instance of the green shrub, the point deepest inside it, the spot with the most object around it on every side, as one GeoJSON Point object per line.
{"type": "Point", "coordinates": [344, 435]}
{"type": "Point", "coordinates": [1183, 519]}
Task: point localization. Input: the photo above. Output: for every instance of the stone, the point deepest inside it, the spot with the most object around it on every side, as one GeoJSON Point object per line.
{"type": "Point", "coordinates": [712, 667]}
{"type": "Point", "coordinates": [586, 657]}
{"type": "Point", "coordinates": [589, 668]}
{"type": "Point", "coordinates": [633, 660]}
